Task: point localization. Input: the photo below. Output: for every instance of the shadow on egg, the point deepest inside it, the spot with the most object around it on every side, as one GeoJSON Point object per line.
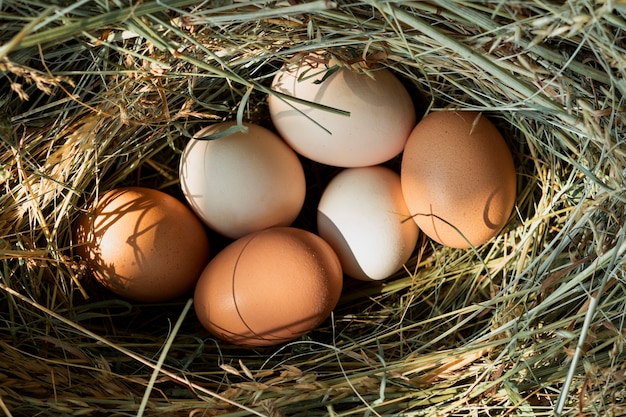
{"type": "Point", "coordinates": [269, 337]}
{"type": "Point", "coordinates": [336, 239]}
{"type": "Point", "coordinates": [142, 244]}
{"type": "Point", "coordinates": [494, 219]}
{"type": "Point", "coordinates": [96, 252]}
{"type": "Point", "coordinates": [493, 216]}
{"type": "Point", "coordinates": [443, 231]}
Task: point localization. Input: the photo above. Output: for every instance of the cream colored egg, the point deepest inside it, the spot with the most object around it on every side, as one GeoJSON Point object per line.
{"type": "Point", "coordinates": [363, 216]}
{"type": "Point", "coordinates": [242, 182]}
{"type": "Point", "coordinates": [381, 113]}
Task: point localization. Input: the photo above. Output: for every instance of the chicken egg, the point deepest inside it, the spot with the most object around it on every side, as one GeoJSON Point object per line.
{"type": "Point", "coordinates": [378, 113]}
{"type": "Point", "coordinates": [242, 182]}
{"type": "Point", "coordinates": [363, 216]}
{"type": "Point", "coordinates": [458, 178]}
{"type": "Point", "coordinates": [142, 244]}
{"type": "Point", "coordinates": [269, 287]}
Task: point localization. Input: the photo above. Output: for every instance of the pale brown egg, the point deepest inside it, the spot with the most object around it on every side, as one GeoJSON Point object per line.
{"type": "Point", "coordinates": [143, 244]}
{"type": "Point", "coordinates": [269, 287]}
{"type": "Point", "coordinates": [378, 112]}
{"type": "Point", "coordinates": [458, 178]}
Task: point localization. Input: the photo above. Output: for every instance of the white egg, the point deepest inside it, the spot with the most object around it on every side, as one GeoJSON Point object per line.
{"type": "Point", "coordinates": [242, 182]}
{"type": "Point", "coordinates": [376, 119]}
{"type": "Point", "coordinates": [363, 216]}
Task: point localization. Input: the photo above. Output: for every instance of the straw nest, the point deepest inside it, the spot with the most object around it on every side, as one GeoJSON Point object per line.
{"type": "Point", "coordinates": [98, 94]}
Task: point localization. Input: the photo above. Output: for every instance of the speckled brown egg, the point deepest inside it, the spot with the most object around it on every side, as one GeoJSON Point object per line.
{"type": "Point", "coordinates": [143, 244]}
{"type": "Point", "coordinates": [458, 178]}
{"type": "Point", "coordinates": [269, 287]}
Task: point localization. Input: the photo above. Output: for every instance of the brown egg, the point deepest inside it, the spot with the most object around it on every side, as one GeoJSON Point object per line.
{"type": "Point", "coordinates": [143, 244]}
{"type": "Point", "coordinates": [458, 178]}
{"type": "Point", "coordinates": [269, 287]}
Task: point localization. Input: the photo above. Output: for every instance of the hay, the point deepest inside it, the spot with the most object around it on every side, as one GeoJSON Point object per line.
{"type": "Point", "coordinates": [101, 94]}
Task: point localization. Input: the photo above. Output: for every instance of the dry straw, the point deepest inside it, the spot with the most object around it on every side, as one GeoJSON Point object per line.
{"type": "Point", "coordinates": [100, 93]}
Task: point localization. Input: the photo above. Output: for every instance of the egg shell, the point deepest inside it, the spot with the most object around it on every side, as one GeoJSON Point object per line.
{"type": "Point", "coordinates": [143, 244]}
{"type": "Point", "coordinates": [458, 178]}
{"type": "Point", "coordinates": [269, 287]}
{"type": "Point", "coordinates": [243, 182]}
{"type": "Point", "coordinates": [381, 116]}
{"type": "Point", "coordinates": [363, 216]}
